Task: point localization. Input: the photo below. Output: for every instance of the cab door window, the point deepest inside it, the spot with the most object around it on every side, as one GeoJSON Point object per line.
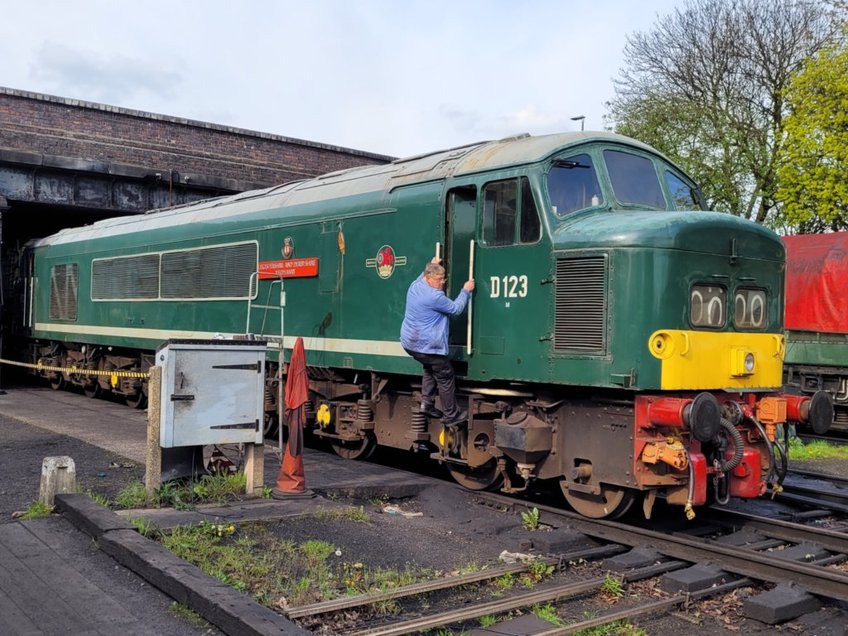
{"type": "Point", "coordinates": [509, 213]}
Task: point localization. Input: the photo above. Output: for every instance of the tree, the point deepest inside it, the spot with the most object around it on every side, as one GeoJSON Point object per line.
{"type": "Point", "coordinates": [813, 163]}
{"type": "Point", "coordinates": [706, 86]}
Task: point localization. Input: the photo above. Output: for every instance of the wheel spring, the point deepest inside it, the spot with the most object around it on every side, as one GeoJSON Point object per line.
{"type": "Point", "coordinates": [270, 398]}
{"type": "Point", "coordinates": [363, 411]}
{"type": "Point", "coordinates": [309, 410]}
{"type": "Point", "coordinates": [418, 422]}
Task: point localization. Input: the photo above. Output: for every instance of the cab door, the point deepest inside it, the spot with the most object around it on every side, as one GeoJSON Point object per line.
{"type": "Point", "coordinates": [510, 325]}
{"type": "Point", "coordinates": [460, 230]}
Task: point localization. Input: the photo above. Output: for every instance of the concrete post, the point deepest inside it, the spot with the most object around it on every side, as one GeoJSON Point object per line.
{"type": "Point", "coordinates": [58, 476]}
{"type": "Point", "coordinates": [153, 475]}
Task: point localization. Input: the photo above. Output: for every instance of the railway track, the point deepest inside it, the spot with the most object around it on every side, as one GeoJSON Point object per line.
{"type": "Point", "coordinates": [752, 550]}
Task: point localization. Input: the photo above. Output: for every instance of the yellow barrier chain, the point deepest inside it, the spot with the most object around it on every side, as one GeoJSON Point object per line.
{"type": "Point", "coordinates": [77, 370]}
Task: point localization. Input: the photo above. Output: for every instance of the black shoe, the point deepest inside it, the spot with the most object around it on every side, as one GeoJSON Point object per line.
{"type": "Point", "coordinates": [458, 419]}
{"type": "Point", "coordinates": [431, 411]}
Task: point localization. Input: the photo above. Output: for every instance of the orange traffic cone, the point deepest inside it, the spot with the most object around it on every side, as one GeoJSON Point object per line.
{"type": "Point", "coordinates": [291, 480]}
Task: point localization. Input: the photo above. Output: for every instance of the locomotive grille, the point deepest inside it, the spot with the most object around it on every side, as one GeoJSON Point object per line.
{"type": "Point", "coordinates": [64, 282]}
{"type": "Point", "coordinates": [125, 278]}
{"type": "Point", "coordinates": [213, 272]}
{"type": "Point", "coordinates": [581, 308]}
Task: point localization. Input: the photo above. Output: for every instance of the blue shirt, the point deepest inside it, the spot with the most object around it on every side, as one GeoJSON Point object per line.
{"type": "Point", "coordinates": [425, 323]}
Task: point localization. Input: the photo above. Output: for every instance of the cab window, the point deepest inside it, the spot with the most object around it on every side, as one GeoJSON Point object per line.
{"type": "Point", "coordinates": [573, 185]}
{"type": "Point", "coordinates": [634, 179]}
{"type": "Point", "coordinates": [683, 196]}
{"type": "Point", "coordinates": [510, 215]}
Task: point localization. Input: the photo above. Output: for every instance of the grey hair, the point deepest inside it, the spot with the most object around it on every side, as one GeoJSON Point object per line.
{"type": "Point", "coordinates": [433, 270]}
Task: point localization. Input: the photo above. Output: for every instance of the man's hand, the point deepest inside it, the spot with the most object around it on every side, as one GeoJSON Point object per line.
{"type": "Point", "coordinates": [436, 260]}
{"type": "Point", "coordinates": [469, 286]}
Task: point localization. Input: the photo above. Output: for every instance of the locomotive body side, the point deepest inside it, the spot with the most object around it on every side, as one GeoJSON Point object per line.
{"type": "Point", "coordinates": [619, 340]}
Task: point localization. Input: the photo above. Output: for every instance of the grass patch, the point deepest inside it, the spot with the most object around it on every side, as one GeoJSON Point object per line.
{"type": "Point", "coordinates": [37, 510]}
{"type": "Point", "coordinates": [214, 488]}
{"type": "Point", "coordinates": [187, 614]}
{"type": "Point", "coordinates": [616, 628]}
{"type": "Point", "coordinates": [281, 573]}
{"type": "Point", "coordinates": [547, 613]}
{"type": "Point", "coordinates": [357, 515]}
{"type": "Point", "coordinates": [816, 449]}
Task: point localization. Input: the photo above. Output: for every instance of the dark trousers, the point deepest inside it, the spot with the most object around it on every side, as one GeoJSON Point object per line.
{"type": "Point", "coordinates": [438, 373]}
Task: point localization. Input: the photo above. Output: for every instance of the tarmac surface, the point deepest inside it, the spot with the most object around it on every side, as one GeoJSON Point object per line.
{"type": "Point", "coordinates": [55, 580]}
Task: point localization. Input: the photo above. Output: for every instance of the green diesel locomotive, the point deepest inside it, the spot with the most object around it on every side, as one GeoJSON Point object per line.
{"type": "Point", "coordinates": [620, 339]}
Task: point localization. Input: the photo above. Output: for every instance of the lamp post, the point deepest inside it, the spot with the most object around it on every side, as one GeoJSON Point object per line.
{"type": "Point", "coordinates": [581, 119]}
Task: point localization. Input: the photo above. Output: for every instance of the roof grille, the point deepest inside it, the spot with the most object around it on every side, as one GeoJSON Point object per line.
{"type": "Point", "coordinates": [581, 308]}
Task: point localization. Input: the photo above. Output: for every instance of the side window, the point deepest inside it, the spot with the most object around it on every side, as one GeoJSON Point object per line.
{"type": "Point", "coordinates": [508, 206]}
{"type": "Point", "coordinates": [530, 229]}
{"type": "Point", "coordinates": [499, 206]}
{"type": "Point", "coordinates": [634, 179]}
{"type": "Point", "coordinates": [64, 284]}
{"type": "Point", "coordinates": [573, 185]}
{"type": "Point", "coordinates": [683, 196]}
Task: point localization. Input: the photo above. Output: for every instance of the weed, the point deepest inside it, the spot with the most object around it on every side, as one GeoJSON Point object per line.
{"type": "Point", "coordinates": [186, 613]}
{"type": "Point", "coordinates": [133, 496]}
{"type": "Point", "coordinates": [504, 582]}
{"type": "Point", "coordinates": [357, 515]}
{"type": "Point", "coordinates": [220, 487]}
{"type": "Point", "coordinates": [96, 497]}
{"type": "Point", "coordinates": [278, 572]}
{"type": "Point", "coordinates": [616, 628]}
{"type": "Point", "coordinates": [538, 571]}
{"type": "Point", "coordinates": [266, 492]}
{"type": "Point", "coordinates": [530, 519]}
{"type": "Point", "coordinates": [547, 613]}
{"type": "Point", "coordinates": [144, 526]}
{"type": "Point", "coordinates": [488, 620]}
{"type": "Point", "coordinates": [37, 510]}
{"type": "Point", "coordinates": [612, 588]}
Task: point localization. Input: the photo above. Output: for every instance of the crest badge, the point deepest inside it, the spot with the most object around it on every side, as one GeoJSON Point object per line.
{"type": "Point", "coordinates": [385, 261]}
{"type": "Point", "coordinates": [288, 247]}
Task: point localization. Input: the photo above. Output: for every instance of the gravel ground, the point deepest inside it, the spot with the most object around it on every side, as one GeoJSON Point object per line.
{"type": "Point", "coordinates": [450, 532]}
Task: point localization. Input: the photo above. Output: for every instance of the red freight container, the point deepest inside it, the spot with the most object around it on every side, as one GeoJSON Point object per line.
{"type": "Point", "coordinates": [817, 282]}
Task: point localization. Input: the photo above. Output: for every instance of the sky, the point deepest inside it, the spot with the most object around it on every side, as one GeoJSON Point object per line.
{"type": "Point", "coordinates": [393, 77]}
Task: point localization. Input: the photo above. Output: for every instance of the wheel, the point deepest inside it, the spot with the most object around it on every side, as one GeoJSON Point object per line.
{"type": "Point", "coordinates": [92, 390]}
{"type": "Point", "coordinates": [269, 425]}
{"type": "Point", "coordinates": [137, 400]}
{"type": "Point", "coordinates": [612, 503]}
{"type": "Point", "coordinates": [485, 477]}
{"type": "Point", "coordinates": [358, 449]}
{"type": "Point", "coordinates": [57, 381]}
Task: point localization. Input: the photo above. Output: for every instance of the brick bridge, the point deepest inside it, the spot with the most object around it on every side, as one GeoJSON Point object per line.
{"type": "Point", "coordinates": [66, 163]}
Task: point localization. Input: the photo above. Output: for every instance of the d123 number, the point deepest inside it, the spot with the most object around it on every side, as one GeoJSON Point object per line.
{"type": "Point", "coordinates": [508, 286]}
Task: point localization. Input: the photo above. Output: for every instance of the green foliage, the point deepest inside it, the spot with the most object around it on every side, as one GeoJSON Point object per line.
{"type": "Point", "coordinates": [706, 86]}
{"type": "Point", "coordinates": [280, 573]}
{"type": "Point", "coordinates": [814, 158]}
{"type": "Point", "coordinates": [612, 587]}
{"type": "Point", "coordinates": [37, 510]}
{"type": "Point", "coordinates": [357, 515]}
{"type": "Point", "coordinates": [547, 613]}
{"type": "Point", "coordinates": [530, 519]}
{"type": "Point", "coordinates": [187, 614]}
{"type": "Point", "coordinates": [616, 628]}
{"type": "Point", "coordinates": [538, 571]}
{"type": "Point", "coordinates": [488, 620]}
{"type": "Point", "coordinates": [504, 582]}
{"type": "Point", "coordinates": [214, 488]}
{"type": "Point", "coordinates": [815, 450]}
{"type": "Point", "coordinates": [132, 497]}
{"type": "Point", "coordinates": [143, 526]}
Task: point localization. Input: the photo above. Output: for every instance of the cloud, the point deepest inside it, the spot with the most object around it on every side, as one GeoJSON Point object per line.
{"type": "Point", "coordinates": [96, 76]}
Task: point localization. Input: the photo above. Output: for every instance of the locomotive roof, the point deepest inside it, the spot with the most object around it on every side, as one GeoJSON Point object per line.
{"type": "Point", "coordinates": [469, 159]}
